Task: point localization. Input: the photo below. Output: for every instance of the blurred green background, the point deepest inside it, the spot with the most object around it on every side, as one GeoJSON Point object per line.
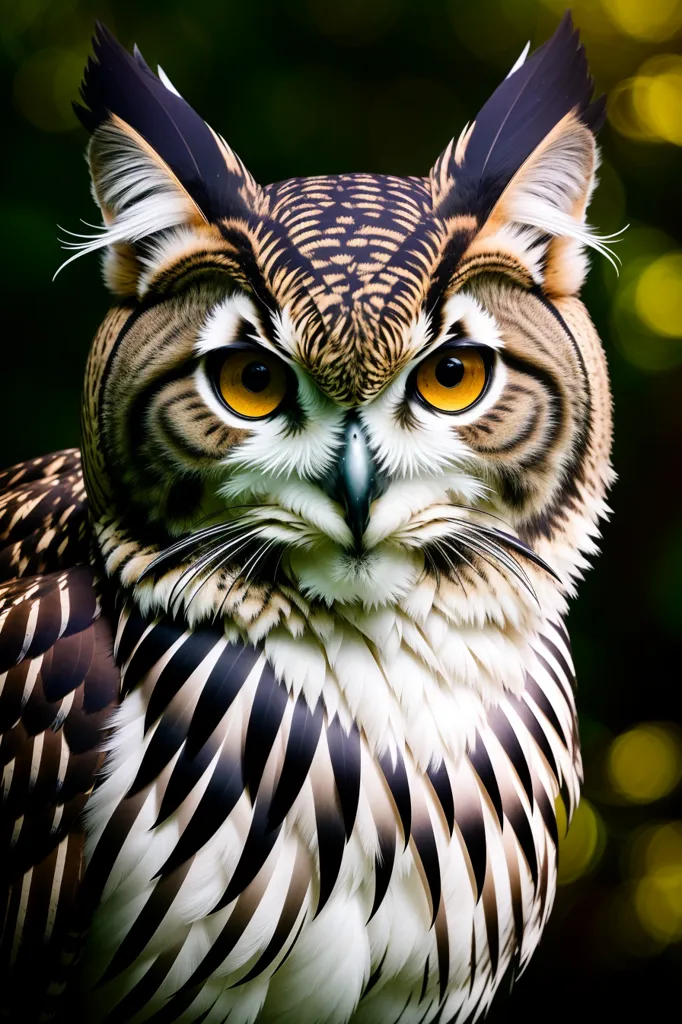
{"type": "Point", "coordinates": [313, 86]}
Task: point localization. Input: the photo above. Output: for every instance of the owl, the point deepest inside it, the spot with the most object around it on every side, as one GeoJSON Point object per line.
{"type": "Point", "coordinates": [286, 698]}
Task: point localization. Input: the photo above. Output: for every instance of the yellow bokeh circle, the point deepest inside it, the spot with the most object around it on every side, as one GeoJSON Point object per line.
{"type": "Point", "coordinates": [647, 106]}
{"type": "Point", "coordinates": [650, 20]}
{"type": "Point", "coordinates": [658, 904]}
{"type": "Point", "coordinates": [644, 764]}
{"type": "Point", "coordinates": [581, 847]}
{"type": "Point", "coordinates": [658, 295]}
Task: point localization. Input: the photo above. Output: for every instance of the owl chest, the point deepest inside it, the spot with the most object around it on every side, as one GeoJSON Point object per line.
{"type": "Point", "coordinates": [267, 864]}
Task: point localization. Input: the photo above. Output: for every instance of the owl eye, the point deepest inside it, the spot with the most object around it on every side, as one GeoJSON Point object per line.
{"type": "Point", "coordinates": [453, 380]}
{"type": "Point", "coordinates": [251, 383]}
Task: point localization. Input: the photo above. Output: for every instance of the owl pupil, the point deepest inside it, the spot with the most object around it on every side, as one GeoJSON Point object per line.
{"type": "Point", "coordinates": [255, 377]}
{"type": "Point", "coordinates": [449, 371]}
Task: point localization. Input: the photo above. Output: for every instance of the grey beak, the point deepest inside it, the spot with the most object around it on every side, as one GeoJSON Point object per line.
{"type": "Point", "coordinates": [356, 479]}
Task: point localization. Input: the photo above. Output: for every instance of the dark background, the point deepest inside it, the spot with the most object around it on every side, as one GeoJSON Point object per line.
{"type": "Point", "coordinates": [311, 87]}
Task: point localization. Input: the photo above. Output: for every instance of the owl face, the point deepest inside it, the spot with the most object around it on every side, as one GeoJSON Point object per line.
{"type": "Point", "coordinates": [349, 383]}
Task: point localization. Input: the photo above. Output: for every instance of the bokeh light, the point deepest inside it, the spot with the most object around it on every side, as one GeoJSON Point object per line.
{"type": "Point", "coordinates": [647, 106]}
{"type": "Point", "coordinates": [581, 848]}
{"type": "Point", "coordinates": [645, 763]}
{"type": "Point", "coordinates": [658, 296]}
{"type": "Point", "coordinates": [649, 20]}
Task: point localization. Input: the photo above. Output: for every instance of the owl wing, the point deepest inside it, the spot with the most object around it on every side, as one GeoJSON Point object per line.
{"type": "Point", "coordinates": [58, 684]}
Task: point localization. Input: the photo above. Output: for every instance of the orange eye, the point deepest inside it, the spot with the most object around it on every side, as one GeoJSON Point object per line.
{"type": "Point", "coordinates": [452, 381]}
{"type": "Point", "coordinates": [253, 384]}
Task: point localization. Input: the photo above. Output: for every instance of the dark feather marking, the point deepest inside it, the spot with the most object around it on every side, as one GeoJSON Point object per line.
{"type": "Point", "coordinates": [175, 673]}
{"type": "Point", "coordinates": [540, 698]}
{"type": "Point", "coordinates": [383, 869]}
{"type": "Point", "coordinates": [234, 928]}
{"type": "Point", "coordinates": [130, 635]}
{"type": "Point", "coordinates": [187, 773]}
{"type": "Point", "coordinates": [298, 887]}
{"type": "Point", "coordinates": [148, 920]}
{"type": "Point", "coordinates": [565, 668]}
{"type": "Point", "coordinates": [344, 753]}
{"type": "Point", "coordinates": [440, 780]}
{"type": "Point", "coordinates": [425, 979]}
{"type": "Point", "coordinates": [442, 951]}
{"type": "Point", "coordinates": [536, 731]}
{"type": "Point", "coordinates": [331, 843]}
{"type": "Point", "coordinates": [480, 759]}
{"type": "Point", "coordinates": [491, 922]}
{"type": "Point", "coordinates": [509, 741]}
{"type": "Point", "coordinates": [374, 977]}
{"type": "Point", "coordinates": [71, 658]}
{"type": "Point", "coordinates": [225, 787]}
{"type": "Point", "coordinates": [269, 705]}
{"type": "Point", "coordinates": [399, 786]}
{"type": "Point", "coordinates": [225, 680]}
{"type": "Point", "coordinates": [425, 845]}
{"type": "Point", "coordinates": [257, 849]}
{"type": "Point", "coordinates": [519, 822]}
{"type": "Point", "coordinates": [470, 823]}
{"type": "Point", "coordinates": [304, 735]}
{"type": "Point", "coordinates": [548, 815]}
{"type": "Point", "coordinates": [167, 739]}
{"type": "Point", "coordinates": [104, 855]}
{"type": "Point", "coordinates": [148, 651]}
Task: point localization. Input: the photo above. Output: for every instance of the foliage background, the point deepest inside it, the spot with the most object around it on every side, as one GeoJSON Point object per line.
{"type": "Point", "coordinates": [315, 86]}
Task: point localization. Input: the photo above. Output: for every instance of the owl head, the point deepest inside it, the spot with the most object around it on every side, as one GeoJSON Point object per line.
{"type": "Point", "coordinates": [352, 389]}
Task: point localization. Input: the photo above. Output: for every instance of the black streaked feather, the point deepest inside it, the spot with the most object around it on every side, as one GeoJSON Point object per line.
{"type": "Point", "coordinates": [383, 869]}
{"type": "Point", "coordinates": [175, 673]}
{"type": "Point", "coordinates": [257, 848]}
{"type": "Point", "coordinates": [443, 953]}
{"type": "Point", "coordinates": [168, 737]}
{"type": "Point", "coordinates": [560, 659]}
{"type": "Point", "coordinates": [224, 789]}
{"type": "Point", "coordinates": [519, 822]}
{"type": "Point", "coordinates": [140, 995]}
{"type": "Point", "coordinates": [548, 815]}
{"type": "Point", "coordinates": [304, 735]}
{"type": "Point", "coordinates": [331, 843]}
{"type": "Point", "coordinates": [509, 741]}
{"type": "Point", "coordinates": [146, 923]}
{"type": "Point", "coordinates": [536, 731]}
{"type": "Point", "coordinates": [114, 82]}
{"type": "Point", "coordinates": [540, 698]}
{"type": "Point", "coordinates": [374, 977]}
{"type": "Point", "coordinates": [480, 759]}
{"type": "Point", "coordinates": [398, 783]}
{"type": "Point", "coordinates": [269, 705]}
{"type": "Point", "coordinates": [440, 780]}
{"type": "Point", "coordinates": [225, 680]}
{"type": "Point", "coordinates": [344, 753]}
{"type": "Point", "coordinates": [147, 652]}
{"type": "Point", "coordinates": [131, 634]}
{"type": "Point", "coordinates": [469, 820]}
{"type": "Point", "coordinates": [425, 844]}
{"type": "Point", "coordinates": [187, 773]}
{"type": "Point", "coordinates": [293, 902]}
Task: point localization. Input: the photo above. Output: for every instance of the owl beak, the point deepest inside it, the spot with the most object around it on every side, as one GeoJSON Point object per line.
{"type": "Point", "coordinates": [356, 479]}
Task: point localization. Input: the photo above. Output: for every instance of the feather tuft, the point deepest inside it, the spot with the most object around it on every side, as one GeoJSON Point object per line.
{"type": "Point", "coordinates": [536, 95]}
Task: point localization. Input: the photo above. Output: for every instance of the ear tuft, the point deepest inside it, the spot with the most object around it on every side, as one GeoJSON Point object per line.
{"type": "Point", "coordinates": [155, 164]}
{"type": "Point", "coordinates": [525, 169]}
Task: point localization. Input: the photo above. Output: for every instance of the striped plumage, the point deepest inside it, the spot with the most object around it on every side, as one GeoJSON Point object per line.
{"type": "Point", "coordinates": [286, 699]}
